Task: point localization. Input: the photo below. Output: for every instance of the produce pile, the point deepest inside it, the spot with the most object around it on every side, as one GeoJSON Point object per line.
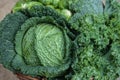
{"type": "Point", "coordinates": [62, 39]}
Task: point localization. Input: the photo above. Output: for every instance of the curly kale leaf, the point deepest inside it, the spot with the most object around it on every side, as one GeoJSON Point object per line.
{"type": "Point", "coordinates": [98, 46]}
{"type": "Point", "coordinates": [86, 13]}
{"type": "Point", "coordinates": [87, 7]}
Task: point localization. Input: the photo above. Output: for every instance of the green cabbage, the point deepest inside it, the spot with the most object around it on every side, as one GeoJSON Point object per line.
{"type": "Point", "coordinates": [39, 44]}
{"type": "Point", "coordinates": [61, 6]}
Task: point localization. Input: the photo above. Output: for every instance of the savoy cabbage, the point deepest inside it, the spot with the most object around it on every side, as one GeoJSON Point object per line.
{"type": "Point", "coordinates": [39, 43]}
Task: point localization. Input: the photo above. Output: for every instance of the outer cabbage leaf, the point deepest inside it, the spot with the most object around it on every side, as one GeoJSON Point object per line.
{"type": "Point", "coordinates": [9, 26]}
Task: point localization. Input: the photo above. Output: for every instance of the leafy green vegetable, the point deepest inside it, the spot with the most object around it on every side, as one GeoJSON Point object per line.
{"type": "Point", "coordinates": [98, 42]}
{"type": "Point", "coordinates": [62, 40]}
{"type": "Point", "coordinates": [40, 42]}
{"type": "Point", "coordinates": [61, 6]}
{"type": "Point", "coordinates": [85, 12]}
{"type": "Point", "coordinates": [23, 5]}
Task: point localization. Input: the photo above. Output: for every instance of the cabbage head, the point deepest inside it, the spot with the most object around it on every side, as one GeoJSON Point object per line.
{"type": "Point", "coordinates": [35, 41]}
